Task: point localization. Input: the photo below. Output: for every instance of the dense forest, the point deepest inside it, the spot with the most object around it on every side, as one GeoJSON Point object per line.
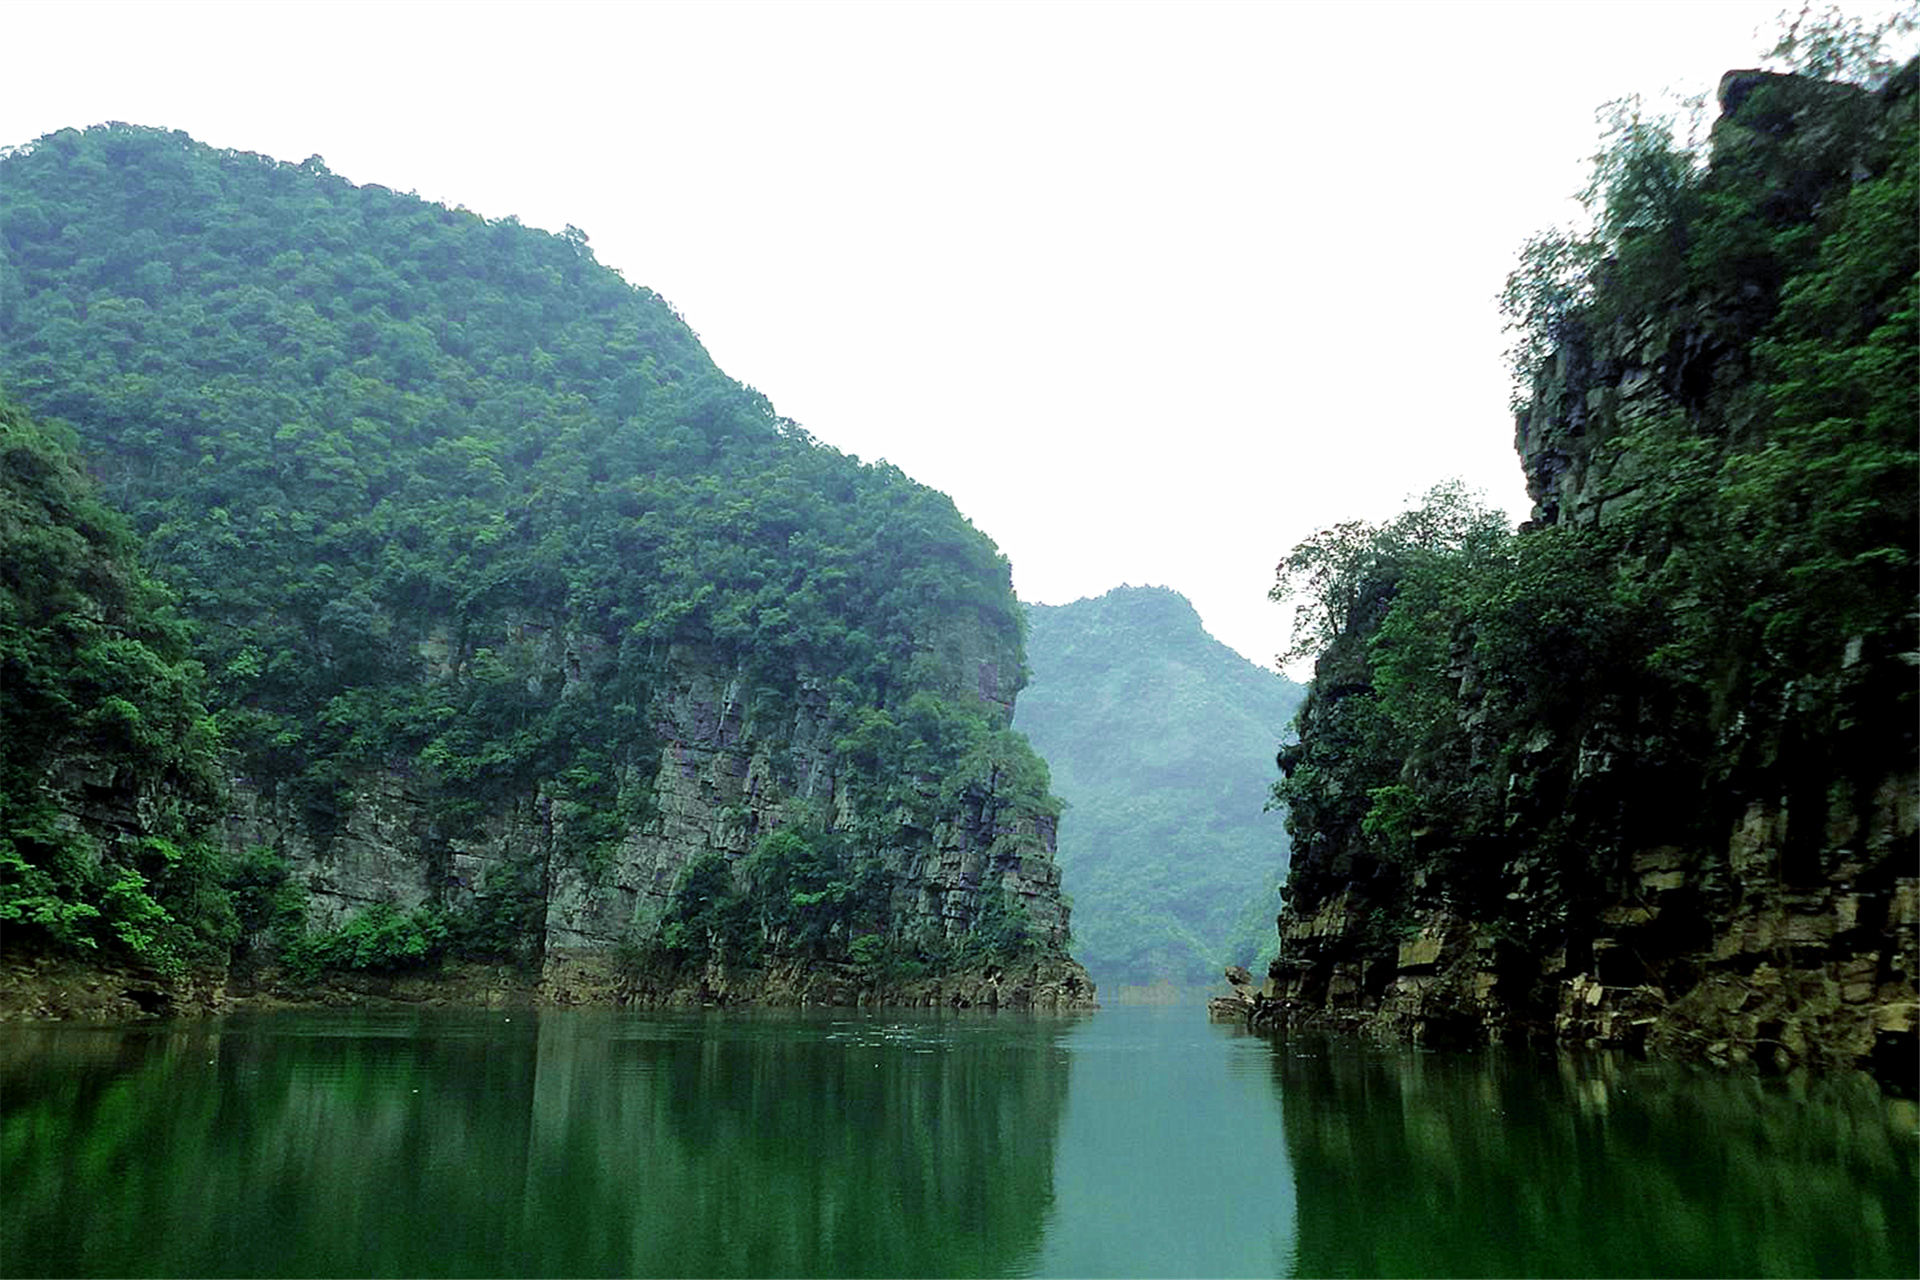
{"type": "Point", "coordinates": [376, 448]}
{"type": "Point", "coordinates": [1158, 739]}
{"type": "Point", "coordinates": [93, 650]}
{"type": "Point", "coordinates": [1644, 769]}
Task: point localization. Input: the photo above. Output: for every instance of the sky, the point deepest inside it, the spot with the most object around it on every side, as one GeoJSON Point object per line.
{"type": "Point", "coordinates": [1153, 291]}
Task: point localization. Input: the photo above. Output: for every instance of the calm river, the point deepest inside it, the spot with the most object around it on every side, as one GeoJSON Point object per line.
{"type": "Point", "coordinates": [1135, 1141]}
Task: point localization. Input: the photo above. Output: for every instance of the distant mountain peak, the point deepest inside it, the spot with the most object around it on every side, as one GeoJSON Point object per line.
{"type": "Point", "coordinates": [1161, 740]}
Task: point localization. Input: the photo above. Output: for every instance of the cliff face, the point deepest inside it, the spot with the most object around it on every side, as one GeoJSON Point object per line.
{"type": "Point", "coordinates": [1802, 143]}
{"type": "Point", "coordinates": [721, 767]}
{"type": "Point", "coordinates": [1712, 860]}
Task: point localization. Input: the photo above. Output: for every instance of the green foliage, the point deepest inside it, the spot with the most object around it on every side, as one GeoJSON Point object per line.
{"type": "Point", "coordinates": [1361, 729]}
{"type": "Point", "coordinates": [393, 453]}
{"type": "Point", "coordinates": [103, 700]}
{"type": "Point", "coordinates": [1662, 220]}
{"type": "Point", "coordinates": [1641, 179]}
{"type": "Point", "coordinates": [1641, 199]}
{"type": "Point", "coordinates": [1161, 739]}
{"type": "Point", "coordinates": [1738, 610]}
{"type": "Point", "coordinates": [379, 939]}
{"type": "Point", "coordinates": [439, 495]}
{"type": "Point", "coordinates": [1831, 44]}
{"type": "Point", "coordinates": [505, 918]}
{"type": "Point", "coordinates": [1330, 577]}
{"type": "Point", "coordinates": [928, 755]}
{"type": "Point", "coordinates": [809, 894]}
{"type": "Point", "coordinates": [266, 902]}
{"type": "Point", "coordinates": [1002, 929]}
{"type": "Point", "coordinates": [1455, 645]}
{"type": "Point", "coordinates": [1551, 285]}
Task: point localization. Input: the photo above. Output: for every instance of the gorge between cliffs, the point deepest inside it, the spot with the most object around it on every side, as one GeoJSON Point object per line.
{"type": "Point", "coordinates": [443, 610]}
{"type": "Point", "coordinates": [484, 792]}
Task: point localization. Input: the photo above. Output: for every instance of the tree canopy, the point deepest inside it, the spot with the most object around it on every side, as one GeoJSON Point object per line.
{"type": "Point", "coordinates": [381, 447]}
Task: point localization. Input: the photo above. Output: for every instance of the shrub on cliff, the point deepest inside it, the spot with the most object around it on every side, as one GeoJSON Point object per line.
{"type": "Point", "coordinates": [100, 708]}
{"type": "Point", "coordinates": [1494, 722]}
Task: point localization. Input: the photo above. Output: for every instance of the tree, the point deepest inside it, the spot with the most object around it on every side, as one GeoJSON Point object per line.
{"type": "Point", "coordinates": [1327, 576]}
{"type": "Point", "coordinates": [1830, 44]}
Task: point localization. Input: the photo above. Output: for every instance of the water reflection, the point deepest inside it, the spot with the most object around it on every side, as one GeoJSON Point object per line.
{"type": "Point", "coordinates": [570, 1144]}
{"type": "Point", "coordinates": [1135, 1142]}
{"type": "Point", "coordinates": [1508, 1162]}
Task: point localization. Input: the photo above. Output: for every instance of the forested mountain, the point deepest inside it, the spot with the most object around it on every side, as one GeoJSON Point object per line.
{"type": "Point", "coordinates": [1645, 771]}
{"type": "Point", "coordinates": [1160, 739]}
{"type": "Point", "coordinates": [512, 605]}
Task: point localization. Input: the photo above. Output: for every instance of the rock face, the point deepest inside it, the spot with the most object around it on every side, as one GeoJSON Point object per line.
{"type": "Point", "coordinates": [719, 767]}
{"type": "Point", "coordinates": [1814, 138]}
{"type": "Point", "coordinates": [1784, 927]}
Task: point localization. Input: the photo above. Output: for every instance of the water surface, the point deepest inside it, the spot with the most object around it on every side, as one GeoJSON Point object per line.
{"type": "Point", "coordinates": [1135, 1141]}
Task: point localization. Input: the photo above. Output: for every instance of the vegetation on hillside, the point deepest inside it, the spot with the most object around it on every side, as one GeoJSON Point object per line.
{"type": "Point", "coordinates": [1158, 737]}
{"type": "Point", "coordinates": [96, 673]}
{"type": "Point", "coordinates": [380, 447]}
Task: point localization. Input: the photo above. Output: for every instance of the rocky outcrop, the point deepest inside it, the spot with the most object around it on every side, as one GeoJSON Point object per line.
{"type": "Point", "coordinates": [37, 985]}
{"type": "Point", "coordinates": [1709, 955]}
{"type": "Point", "coordinates": [721, 763]}
{"type": "Point", "coordinates": [1243, 1000]}
{"type": "Point", "coordinates": [592, 977]}
{"type": "Point", "coordinates": [1747, 858]}
{"type": "Point", "coordinates": [1805, 142]}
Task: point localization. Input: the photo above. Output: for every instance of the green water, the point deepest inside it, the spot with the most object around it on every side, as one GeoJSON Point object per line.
{"type": "Point", "coordinates": [1136, 1141]}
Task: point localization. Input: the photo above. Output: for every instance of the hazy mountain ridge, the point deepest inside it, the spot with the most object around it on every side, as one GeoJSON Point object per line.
{"type": "Point", "coordinates": [1160, 739]}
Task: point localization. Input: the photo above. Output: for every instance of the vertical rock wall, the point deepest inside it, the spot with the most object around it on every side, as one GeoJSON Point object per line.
{"type": "Point", "coordinates": [725, 763]}
{"type": "Point", "coordinates": [1790, 931]}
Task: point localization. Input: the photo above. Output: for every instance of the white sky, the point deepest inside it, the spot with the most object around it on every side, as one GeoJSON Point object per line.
{"type": "Point", "coordinates": [1152, 290]}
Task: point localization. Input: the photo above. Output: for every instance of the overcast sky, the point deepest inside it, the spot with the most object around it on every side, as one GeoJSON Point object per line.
{"type": "Point", "coordinates": [1152, 290]}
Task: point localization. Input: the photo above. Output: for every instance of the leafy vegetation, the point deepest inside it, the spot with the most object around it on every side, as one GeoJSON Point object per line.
{"type": "Point", "coordinates": [807, 893]}
{"type": "Point", "coordinates": [1734, 350]}
{"type": "Point", "coordinates": [99, 686]}
{"type": "Point", "coordinates": [415, 476]}
{"type": "Point", "coordinates": [1660, 221]}
{"type": "Point", "coordinates": [1159, 737]}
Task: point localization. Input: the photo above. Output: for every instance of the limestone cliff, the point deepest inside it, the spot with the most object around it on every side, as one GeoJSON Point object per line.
{"type": "Point", "coordinates": [1712, 854]}
{"type": "Point", "coordinates": [720, 766]}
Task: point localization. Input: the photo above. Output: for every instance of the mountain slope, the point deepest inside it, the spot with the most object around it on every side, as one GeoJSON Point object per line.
{"type": "Point", "coordinates": [100, 698]}
{"type": "Point", "coordinates": [511, 601]}
{"type": "Point", "coordinates": [1160, 738]}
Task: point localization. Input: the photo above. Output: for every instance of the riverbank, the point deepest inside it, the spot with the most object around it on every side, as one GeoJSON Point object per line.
{"type": "Point", "coordinates": [56, 987]}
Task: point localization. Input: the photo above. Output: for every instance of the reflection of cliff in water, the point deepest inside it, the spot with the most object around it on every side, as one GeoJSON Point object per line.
{"type": "Point", "coordinates": [284, 1145]}
{"type": "Point", "coordinates": [556, 1144]}
{"type": "Point", "coordinates": [868, 1146]}
{"type": "Point", "coordinates": [1523, 1163]}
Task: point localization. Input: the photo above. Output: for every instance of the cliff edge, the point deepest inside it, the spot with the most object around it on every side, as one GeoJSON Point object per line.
{"type": "Point", "coordinates": [1645, 773]}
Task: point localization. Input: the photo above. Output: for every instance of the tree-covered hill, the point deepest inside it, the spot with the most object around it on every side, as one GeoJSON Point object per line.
{"type": "Point", "coordinates": [379, 446]}
{"type": "Point", "coordinates": [1160, 738]}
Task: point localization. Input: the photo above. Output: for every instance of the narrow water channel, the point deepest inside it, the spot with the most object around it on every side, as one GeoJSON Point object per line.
{"type": "Point", "coordinates": [1134, 1141]}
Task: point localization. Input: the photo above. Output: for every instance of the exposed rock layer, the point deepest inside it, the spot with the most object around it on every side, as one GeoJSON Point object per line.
{"type": "Point", "coordinates": [722, 767]}
{"type": "Point", "coordinates": [1780, 922]}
